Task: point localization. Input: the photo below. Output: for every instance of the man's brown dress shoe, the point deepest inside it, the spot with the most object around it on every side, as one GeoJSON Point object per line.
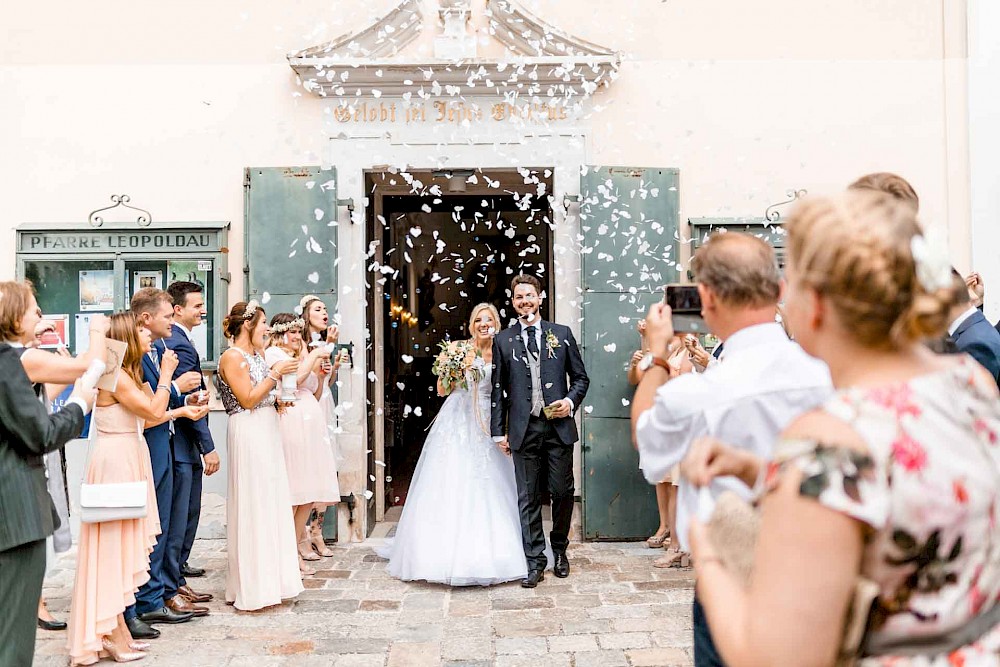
{"type": "Point", "coordinates": [192, 596]}
{"type": "Point", "coordinates": [180, 605]}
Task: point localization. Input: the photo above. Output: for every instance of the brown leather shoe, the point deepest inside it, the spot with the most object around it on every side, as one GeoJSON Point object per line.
{"type": "Point", "coordinates": [192, 596]}
{"type": "Point", "coordinates": [180, 605]}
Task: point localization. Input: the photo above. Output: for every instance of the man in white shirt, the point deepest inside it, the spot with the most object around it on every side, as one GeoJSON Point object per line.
{"type": "Point", "coordinates": [762, 381]}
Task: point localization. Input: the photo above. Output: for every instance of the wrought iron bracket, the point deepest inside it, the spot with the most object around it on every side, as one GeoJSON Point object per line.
{"type": "Point", "coordinates": [771, 213]}
{"type": "Point", "coordinates": [145, 218]}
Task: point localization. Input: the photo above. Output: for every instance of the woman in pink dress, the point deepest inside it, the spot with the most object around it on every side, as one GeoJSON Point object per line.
{"type": "Point", "coordinates": [312, 473]}
{"type": "Point", "coordinates": [316, 331]}
{"type": "Point", "coordinates": [113, 556]}
{"type": "Point", "coordinates": [260, 534]}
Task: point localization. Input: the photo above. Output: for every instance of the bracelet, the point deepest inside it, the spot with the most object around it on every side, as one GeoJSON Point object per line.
{"type": "Point", "coordinates": [162, 386]}
{"type": "Point", "coordinates": [274, 379]}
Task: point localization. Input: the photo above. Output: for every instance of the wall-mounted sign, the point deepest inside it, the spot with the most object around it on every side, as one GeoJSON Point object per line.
{"type": "Point", "coordinates": [448, 111]}
{"type": "Point", "coordinates": [117, 241]}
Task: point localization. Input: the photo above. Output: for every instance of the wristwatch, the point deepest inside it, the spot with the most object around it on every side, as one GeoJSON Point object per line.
{"type": "Point", "coordinates": [652, 360]}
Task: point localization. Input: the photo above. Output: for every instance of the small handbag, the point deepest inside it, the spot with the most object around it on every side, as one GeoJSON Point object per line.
{"type": "Point", "coordinates": [733, 530]}
{"type": "Point", "coordinates": [111, 502]}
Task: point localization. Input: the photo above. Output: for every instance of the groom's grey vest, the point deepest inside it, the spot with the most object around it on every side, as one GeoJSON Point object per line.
{"type": "Point", "coordinates": [535, 365]}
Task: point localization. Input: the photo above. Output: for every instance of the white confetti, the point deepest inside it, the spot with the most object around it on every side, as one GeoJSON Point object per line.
{"type": "Point", "coordinates": [610, 347]}
{"type": "Point", "coordinates": [625, 402]}
{"type": "Point", "coordinates": [264, 298]}
{"type": "Point", "coordinates": [407, 359]}
{"type": "Point", "coordinates": [319, 213]}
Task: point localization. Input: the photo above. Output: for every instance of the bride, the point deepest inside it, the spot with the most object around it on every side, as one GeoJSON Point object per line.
{"type": "Point", "coordinates": [460, 524]}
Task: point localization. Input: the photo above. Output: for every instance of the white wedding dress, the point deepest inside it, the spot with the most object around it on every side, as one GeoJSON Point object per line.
{"type": "Point", "coordinates": [460, 525]}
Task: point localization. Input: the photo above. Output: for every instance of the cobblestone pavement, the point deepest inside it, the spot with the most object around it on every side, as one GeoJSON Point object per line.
{"type": "Point", "coordinates": [615, 609]}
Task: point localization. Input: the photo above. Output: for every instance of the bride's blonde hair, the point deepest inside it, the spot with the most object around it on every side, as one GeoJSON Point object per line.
{"type": "Point", "coordinates": [480, 308]}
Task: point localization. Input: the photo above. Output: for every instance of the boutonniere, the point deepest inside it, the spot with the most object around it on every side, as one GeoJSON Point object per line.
{"type": "Point", "coordinates": [551, 343]}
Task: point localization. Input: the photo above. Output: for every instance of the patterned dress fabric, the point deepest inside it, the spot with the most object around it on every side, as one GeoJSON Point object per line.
{"type": "Point", "coordinates": [929, 495]}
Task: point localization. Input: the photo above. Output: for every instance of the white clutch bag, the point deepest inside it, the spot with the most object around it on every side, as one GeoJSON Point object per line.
{"type": "Point", "coordinates": [113, 502]}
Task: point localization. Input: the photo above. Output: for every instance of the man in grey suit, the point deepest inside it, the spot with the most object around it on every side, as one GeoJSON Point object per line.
{"type": "Point", "coordinates": [27, 433]}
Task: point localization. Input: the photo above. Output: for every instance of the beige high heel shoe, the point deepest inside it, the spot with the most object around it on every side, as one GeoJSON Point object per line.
{"type": "Point", "coordinates": [316, 540]}
{"type": "Point", "coordinates": [117, 654]}
{"type": "Point", "coordinates": [306, 549]}
{"type": "Point", "coordinates": [304, 569]}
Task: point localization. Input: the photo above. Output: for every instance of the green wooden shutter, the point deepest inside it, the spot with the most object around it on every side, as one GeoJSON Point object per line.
{"type": "Point", "coordinates": [290, 235]}
{"type": "Point", "coordinates": [629, 223]}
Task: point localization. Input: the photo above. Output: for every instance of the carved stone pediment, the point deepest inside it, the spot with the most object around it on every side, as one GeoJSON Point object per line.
{"type": "Point", "coordinates": [543, 61]}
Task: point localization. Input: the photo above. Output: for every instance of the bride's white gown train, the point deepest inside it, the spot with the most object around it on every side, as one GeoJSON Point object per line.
{"type": "Point", "coordinates": [460, 525]}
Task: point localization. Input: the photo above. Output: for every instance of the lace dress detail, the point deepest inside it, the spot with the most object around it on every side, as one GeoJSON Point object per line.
{"type": "Point", "coordinates": [258, 372]}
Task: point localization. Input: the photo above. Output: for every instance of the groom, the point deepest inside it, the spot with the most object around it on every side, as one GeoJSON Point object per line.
{"type": "Point", "coordinates": [532, 416]}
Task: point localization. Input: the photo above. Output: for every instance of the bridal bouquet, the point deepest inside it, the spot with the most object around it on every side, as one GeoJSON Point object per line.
{"type": "Point", "coordinates": [455, 364]}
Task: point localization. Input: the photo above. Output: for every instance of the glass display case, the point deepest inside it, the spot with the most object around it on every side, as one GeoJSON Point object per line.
{"type": "Point", "coordinates": [79, 270]}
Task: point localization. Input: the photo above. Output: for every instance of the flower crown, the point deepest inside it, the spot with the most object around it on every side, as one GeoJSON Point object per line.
{"type": "Point", "coordinates": [297, 323]}
{"type": "Point", "coordinates": [306, 299]}
{"type": "Point", "coordinates": [251, 309]}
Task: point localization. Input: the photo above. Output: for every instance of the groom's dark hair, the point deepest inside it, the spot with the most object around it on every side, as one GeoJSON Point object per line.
{"type": "Point", "coordinates": [525, 279]}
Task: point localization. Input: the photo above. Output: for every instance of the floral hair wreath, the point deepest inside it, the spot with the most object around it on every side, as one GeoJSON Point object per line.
{"type": "Point", "coordinates": [251, 309]}
{"type": "Point", "coordinates": [297, 323]}
{"type": "Point", "coordinates": [306, 300]}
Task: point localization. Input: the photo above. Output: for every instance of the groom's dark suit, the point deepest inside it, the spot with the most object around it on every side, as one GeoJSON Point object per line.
{"type": "Point", "coordinates": [542, 449]}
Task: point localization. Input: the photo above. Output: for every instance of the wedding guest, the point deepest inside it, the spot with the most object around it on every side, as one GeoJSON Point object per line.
{"type": "Point", "coordinates": [666, 490]}
{"type": "Point", "coordinates": [972, 334]}
{"type": "Point", "coordinates": [113, 556]}
{"type": "Point", "coordinates": [763, 381]}
{"type": "Point", "coordinates": [193, 450]}
{"type": "Point", "coordinates": [895, 186]}
{"type": "Point", "coordinates": [895, 479]}
{"type": "Point", "coordinates": [50, 373]}
{"type": "Point", "coordinates": [318, 328]}
{"type": "Point", "coordinates": [27, 433]}
{"type": "Point", "coordinates": [154, 312]}
{"type": "Point", "coordinates": [312, 472]}
{"type": "Point", "coordinates": [260, 532]}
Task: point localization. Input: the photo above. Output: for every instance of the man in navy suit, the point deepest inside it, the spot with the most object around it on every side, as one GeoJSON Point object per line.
{"type": "Point", "coordinates": [154, 310]}
{"type": "Point", "coordinates": [539, 382]}
{"type": "Point", "coordinates": [972, 334]}
{"type": "Point", "coordinates": [192, 441]}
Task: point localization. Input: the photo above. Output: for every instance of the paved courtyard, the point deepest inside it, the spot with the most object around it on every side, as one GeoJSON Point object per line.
{"type": "Point", "coordinates": [615, 609]}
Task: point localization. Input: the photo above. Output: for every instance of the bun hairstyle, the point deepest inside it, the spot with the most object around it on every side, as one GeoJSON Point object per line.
{"type": "Point", "coordinates": [238, 315]}
{"type": "Point", "coordinates": [856, 249]}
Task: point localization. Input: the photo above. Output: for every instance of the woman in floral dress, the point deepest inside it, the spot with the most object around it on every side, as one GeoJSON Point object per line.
{"type": "Point", "coordinates": [896, 481]}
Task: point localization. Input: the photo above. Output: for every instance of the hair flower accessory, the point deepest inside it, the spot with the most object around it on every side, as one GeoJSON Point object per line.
{"type": "Point", "coordinates": [932, 264]}
{"type": "Point", "coordinates": [305, 300]}
{"type": "Point", "coordinates": [282, 327]}
{"type": "Point", "coordinates": [251, 309]}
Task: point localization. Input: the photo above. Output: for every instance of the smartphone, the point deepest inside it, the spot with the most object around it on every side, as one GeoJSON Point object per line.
{"type": "Point", "coordinates": [685, 303]}
{"type": "Point", "coordinates": [683, 298]}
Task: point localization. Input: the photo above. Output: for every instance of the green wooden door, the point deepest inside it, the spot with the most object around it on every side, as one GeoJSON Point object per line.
{"type": "Point", "coordinates": [290, 236]}
{"type": "Point", "coordinates": [290, 241]}
{"type": "Point", "coordinates": [629, 223]}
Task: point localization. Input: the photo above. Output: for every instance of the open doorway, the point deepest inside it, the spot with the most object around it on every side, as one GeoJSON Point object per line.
{"type": "Point", "coordinates": [439, 243]}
